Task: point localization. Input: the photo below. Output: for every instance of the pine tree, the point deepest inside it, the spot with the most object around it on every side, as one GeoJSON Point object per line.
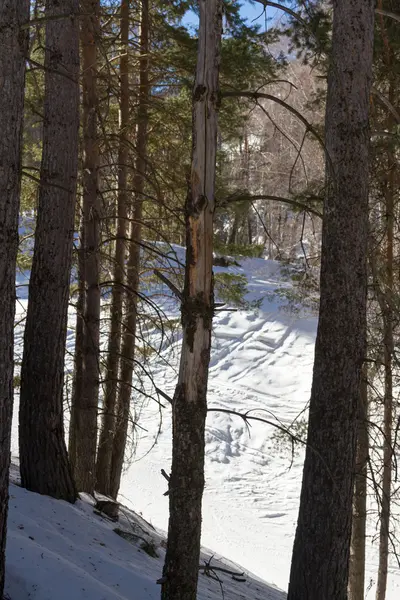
{"type": "Point", "coordinates": [84, 425]}
{"type": "Point", "coordinates": [320, 559]}
{"type": "Point", "coordinates": [14, 17]}
{"type": "Point", "coordinates": [189, 406]}
{"type": "Point", "coordinates": [43, 456]}
{"type": "Point", "coordinates": [129, 325]}
{"type": "Point", "coordinates": [107, 432]}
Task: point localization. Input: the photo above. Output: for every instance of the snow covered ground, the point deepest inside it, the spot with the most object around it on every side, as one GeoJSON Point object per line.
{"type": "Point", "coordinates": [56, 551]}
{"type": "Point", "coordinates": [261, 361]}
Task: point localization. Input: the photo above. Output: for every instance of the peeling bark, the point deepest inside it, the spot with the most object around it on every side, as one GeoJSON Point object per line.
{"type": "Point", "coordinates": [189, 408]}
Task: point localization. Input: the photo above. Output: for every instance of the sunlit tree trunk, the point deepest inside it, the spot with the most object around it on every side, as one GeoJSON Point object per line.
{"type": "Point", "coordinates": [189, 407]}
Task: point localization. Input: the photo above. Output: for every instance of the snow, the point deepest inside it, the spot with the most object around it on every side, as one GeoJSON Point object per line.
{"type": "Point", "coordinates": [56, 550]}
{"type": "Point", "coordinates": [261, 361]}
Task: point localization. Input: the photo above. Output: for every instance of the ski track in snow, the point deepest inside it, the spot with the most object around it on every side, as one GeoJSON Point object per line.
{"type": "Point", "coordinates": [261, 361]}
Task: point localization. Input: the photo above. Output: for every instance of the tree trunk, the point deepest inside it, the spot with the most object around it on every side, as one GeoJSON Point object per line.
{"type": "Point", "coordinates": [189, 408]}
{"type": "Point", "coordinates": [320, 562]}
{"type": "Point", "coordinates": [86, 406]}
{"type": "Point", "coordinates": [133, 264]}
{"type": "Point", "coordinates": [43, 456]}
{"type": "Point", "coordinates": [234, 231]}
{"type": "Point", "coordinates": [13, 53]}
{"type": "Point", "coordinates": [104, 456]}
{"type": "Point", "coordinates": [388, 342]}
{"type": "Point", "coordinates": [78, 352]}
{"type": "Point", "coordinates": [358, 532]}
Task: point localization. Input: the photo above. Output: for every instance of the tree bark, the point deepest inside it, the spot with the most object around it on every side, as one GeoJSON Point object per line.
{"type": "Point", "coordinates": [133, 263]}
{"type": "Point", "coordinates": [320, 561]}
{"type": "Point", "coordinates": [105, 450]}
{"type": "Point", "coordinates": [13, 53]}
{"type": "Point", "coordinates": [388, 343]}
{"type": "Point", "coordinates": [86, 404]}
{"type": "Point", "coordinates": [78, 352]}
{"type": "Point", "coordinates": [189, 408]}
{"type": "Point", "coordinates": [358, 531]}
{"type": "Point", "coordinates": [43, 456]}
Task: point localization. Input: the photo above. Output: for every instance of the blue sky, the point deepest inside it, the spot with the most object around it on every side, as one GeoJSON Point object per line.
{"type": "Point", "coordinates": [252, 12]}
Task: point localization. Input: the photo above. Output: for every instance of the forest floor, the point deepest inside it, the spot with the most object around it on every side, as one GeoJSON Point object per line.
{"type": "Point", "coordinates": [261, 361]}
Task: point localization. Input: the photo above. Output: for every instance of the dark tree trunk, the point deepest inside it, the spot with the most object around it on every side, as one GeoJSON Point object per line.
{"type": "Point", "coordinates": [386, 304]}
{"type": "Point", "coordinates": [86, 404]}
{"type": "Point", "coordinates": [189, 408]}
{"type": "Point", "coordinates": [13, 52]}
{"type": "Point", "coordinates": [43, 456]}
{"type": "Point", "coordinates": [320, 562]}
{"type": "Point", "coordinates": [105, 451]}
{"type": "Point", "coordinates": [78, 353]}
{"type": "Point", "coordinates": [133, 263]}
{"type": "Point", "coordinates": [358, 530]}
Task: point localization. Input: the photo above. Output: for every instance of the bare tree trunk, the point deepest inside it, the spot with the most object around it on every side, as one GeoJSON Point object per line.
{"type": "Point", "coordinates": [388, 342]}
{"type": "Point", "coordinates": [133, 264]}
{"type": "Point", "coordinates": [105, 450]}
{"type": "Point", "coordinates": [78, 352]}
{"type": "Point", "coordinates": [246, 166]}
{"type": "Point", "coordinates": [189, 408]}
{"type": "Point", "coordinates": [43, 456]}
{"type": "Point", "coordinates": [234, 231]}
{"type": "Point", "coordinates": [13, 53]}
{"type": "Point", "coordinates": [356, 587]}
{"type": "Point", "coordinates": [86, 406]}
{"type": "Point", "coordinates": [320, 561]}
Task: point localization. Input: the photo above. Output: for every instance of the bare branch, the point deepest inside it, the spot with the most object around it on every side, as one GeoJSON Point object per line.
{"type": "Point", "coordinates": [386, 102]}
{"type": "Point", "coordinates": [169, 284]}
{"type": "Point", "coordinates": [385, 13]}
{"type": "Point", "coordinates": [285, 9]}
{"type": "Point", "coordinates": [262, 95]}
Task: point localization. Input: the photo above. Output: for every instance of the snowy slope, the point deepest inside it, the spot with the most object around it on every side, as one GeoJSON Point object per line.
{"type": "Point", "coordinates": [59, 551]}
{"type": "Point", "coordinates": [261, 361]}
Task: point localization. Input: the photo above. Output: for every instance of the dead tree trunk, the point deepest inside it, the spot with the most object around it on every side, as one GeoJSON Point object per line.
{"type": "Point", "coordinates": [86, 406]}
{"type": "Point", "coordinates": [356, 587]}
{"type": "Point", "coordinates": [320, 562]}
{"type": "Point", "coordinates": [104, 456]}
{"type": "Point", "coordinates": [133, 263]}
{"type": "Point", "coordinates": [189, 406]}
{"type": "Point", "coordinates": [13, 53]}
{"type": "Point", "coordinates": [43, 456]}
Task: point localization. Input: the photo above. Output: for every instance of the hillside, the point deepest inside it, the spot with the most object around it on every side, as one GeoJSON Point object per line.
{"type": "Point", "coordinates": [56, 550]}
{"type": "Point", "coordinates": [261, 361]}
